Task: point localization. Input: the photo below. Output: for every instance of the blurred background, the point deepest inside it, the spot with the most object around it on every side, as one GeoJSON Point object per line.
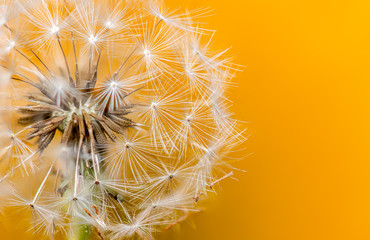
{"type": "Point", "coordinates": [305, 93]}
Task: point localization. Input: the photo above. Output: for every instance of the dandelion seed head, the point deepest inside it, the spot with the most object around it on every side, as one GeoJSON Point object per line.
{"type": "Point", "coordinates": [54, 29]}
{"type": "Point", "coordinates": [92, 39]}
{"type": "Point", "coordinates": [113, 85]}
{"type": "Point", "coordinates": [188, 119]}
{"type": "Point", "coordinates": [115, 114]}
{"type": "Point", "coordinates": [154, 105]}
{"type": "Point", "coordinates": [11, 45]}
{"type": "Point", "coordinates": [109, 24]}
{"type": "Point", "coordinates": [147, 53]}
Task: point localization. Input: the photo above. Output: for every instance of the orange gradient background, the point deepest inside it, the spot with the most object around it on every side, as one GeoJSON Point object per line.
{"type": "Point", "coordinates": [305, 92]}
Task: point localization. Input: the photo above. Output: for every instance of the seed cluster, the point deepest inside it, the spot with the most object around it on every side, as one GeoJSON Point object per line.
{"type": "Point", "coordinates": [114, 119]}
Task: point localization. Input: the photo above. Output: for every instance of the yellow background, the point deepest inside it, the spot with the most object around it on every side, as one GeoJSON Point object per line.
{"type": "Point", "coordinates": [305, 92]}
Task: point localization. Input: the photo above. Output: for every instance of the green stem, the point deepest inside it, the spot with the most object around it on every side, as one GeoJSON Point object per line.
{"type": "Point", "coordinates": [80, 232]}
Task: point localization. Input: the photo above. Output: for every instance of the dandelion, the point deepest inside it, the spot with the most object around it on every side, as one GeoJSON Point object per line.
{"type": "Point", "coordinates": [114, 116]}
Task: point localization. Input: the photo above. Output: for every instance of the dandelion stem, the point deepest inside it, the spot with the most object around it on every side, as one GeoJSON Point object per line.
{"type": "Point", "coordinates": [81, 130]}
{"type": "Point", "coordinates": [92, 143]}
{"type": "Point", "coordinates": [42, 62]}
{"type": "Point", "coordinates": [124, 62]}
{"type": "Point", "coordinates": [34, 64]}
{"type": "Point", "coordinates": [43, 183]}
{"type": "Point", "coordinates": [77, 73]}
{"type": "Point", "coordinates": [220, 179]}
{"type": "Point", "coordinates": [158, 23]}
{"type": "Point", "coordinates": [65, 61]}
